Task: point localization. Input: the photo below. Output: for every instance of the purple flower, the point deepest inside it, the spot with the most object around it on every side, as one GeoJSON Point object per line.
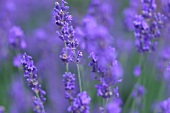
{"type": "Point", "coordinates": [80, 104]}
{"type": "Point", "coordinates": [16, 38]}
{"type": "Point", "coordinates": [2, 109]}
{"type": "Point", "coordinates": [114, 106]}
{"type": "Point", "coordinates": [31, 77]}
{"type": "Point", "coordinates": [103, 90]}
{"type": "Point", "coordinates": [67, 55]}
{"type": "Point", "coordinates": [17, 60]}
{"type": "Point", "coordinates": [136, 71]}
{"type": "Point", "coordinates": [165, 106]}
{"type": "Point", "coordinates": [18, 92]}
{"type": "Point", "coordinates": [138, 92]}
{"type": "Point", "coordinates": [69, 82]}
{"type": "Point", "coordinates": [129, 13]}
{"type": "Point", "coordinates": [61, 15]}
{"type": "Point", "coordinates": [148, 7]}
{"type": "Point", "coordinates": [148, 27]}
{"type": "Point", "coordinates": [98, 7]}
{"type": "Point", "coordinates": [66, 32]}
{"type": "Point", "coordinates": [38, 106]}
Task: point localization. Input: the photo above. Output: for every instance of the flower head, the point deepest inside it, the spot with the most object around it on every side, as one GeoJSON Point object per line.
{"type": "Point", "coordinates": [69, 82]}
{"type": "Point", "coordinates": [80, 104]}
{"type": "Point", "coordinates": [16, 39]}
{"type": "Point", "coordinates": [165, 106]}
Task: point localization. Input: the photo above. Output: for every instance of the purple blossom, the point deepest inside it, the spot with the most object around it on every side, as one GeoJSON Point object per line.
{"type": "Point", "coordinates": [98, 7]}
{"type": "Point", "coordinates": [67, 55]}
{"type": "Point", "coordinates": [103, 90]}
{"type": "Point", "coordinates": [31, 78]}
{"type": "Point", "coordinates": [165, 106]}
{"type": "Point", "coordinates": [69, 82]}
{"type": "Point", "coordinates": [17, 60]}
{"type": "Point", "coordinates": [38, 106]}
{"type": "Point", "coordinates": [129, 13]}
{"type": "Point", "coordinates": [136, 71]}
{"type": "Point", "coordinates": [18, 92]}
{"type": "Point", "coordinates": [2, 109]}
{"type": "Point", "coordinates": [66, 31]}
{"type": "Point", "coordinates": [114, 106]}
{"type": "Point", "coordinates": [138, 92]}
{"type": "Point", "coordinates": [80, 104]}
{"type": "Point", "coordinates": [61, 15]}
{"type": "Point", "coordinates": [16, 38]}
{"type": "Point", "coordinates": [148, 26]}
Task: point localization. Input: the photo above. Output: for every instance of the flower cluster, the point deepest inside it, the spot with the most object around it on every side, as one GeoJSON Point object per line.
{"type": "Point", "coordinates": [2, 109]}
{"type": "Point", "coordinates": [32, 81]}
{"type": "Point", "coordinates": [109, 72]}
{"type": "Point", "coordinates": [80, 103]}
{"type": "Point", "coordinates": [148, 26]}
{"type": "Point", "coordinates": [16, 38]}
{"type": "Point", "coordinates": [98, 7]}
{"type": "Point", "coordinates": [165, 106]}
{"type": "Point", "coordinates": [95, 39]}
{"type": "Point", "coordinates": [137, 93]}
{"type": "Point", "coordinates": [114, 106]}
{"type": "Point", "coordinates": [129, 13]}
{"type": "Point", "coordinates": [66, 32]}
{"type": "Point", "coordinates": [69, 81]}
{"type": "Point", "coordinates": [17, 42]}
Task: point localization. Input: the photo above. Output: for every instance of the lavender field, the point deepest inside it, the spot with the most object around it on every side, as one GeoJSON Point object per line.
{"type": "Point", "coordinates": [85, 56]}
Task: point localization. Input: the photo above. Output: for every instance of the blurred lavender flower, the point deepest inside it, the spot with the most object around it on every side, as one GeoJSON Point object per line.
{"type": "Point", "coordinates": [148, 27]}
{"type": "Point", "coordinates": [18, 92]}
{"type": "Point", "coordinates": [2, 109]}
{"type": "Point", "coordinates": [98, 7]}
{"type": "Point", "coordinates": [129, 13]}
{"type": "Point", "coordinates": [136, 71]}
{"type": "Point", "coordinates": [31, 77]}
{"type": "Point", "coordinates": [166, 7]}
{"type": "Point", "coordinates": [114, 106]}
{"type": "Point", "coordinates": [17, 60]}
{"type": "Point", "coordinates": [16, 38]}
{"type": "Point", "coordinates": [137, 93]}
{"type": "Point", "coordinates": [108, 76]}
{"type": "Point", "coordinates": [81, 103]}
{"type": "Point", "coordinates": [165, 106]}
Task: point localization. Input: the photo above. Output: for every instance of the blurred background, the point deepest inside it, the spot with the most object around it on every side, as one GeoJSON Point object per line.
{"type": "Point", "coordinates": [36, 20]}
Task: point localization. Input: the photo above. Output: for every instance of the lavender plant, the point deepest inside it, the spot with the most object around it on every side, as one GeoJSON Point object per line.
{"type": "Point", "coordinates": [102, 72]}
{"type": "Point", "coordinates": [70, 54]}
{"type": "Point", "coordinates": [32, 81]}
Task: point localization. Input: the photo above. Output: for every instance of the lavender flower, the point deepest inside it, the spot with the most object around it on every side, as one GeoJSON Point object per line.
{"type": "Point", "coordinates": [18, 92]}
{"type": "Point", "coordinates": [80, 104]}
{"type": "Point", "coordinates": [16, 60]}
{"type": "Point", "coordinates": [137, 93]}
{"type": "Point", "coordinates": [31, 78]}
{"type": "Point", "coordinates": [114, 106]}
{"type": "Point", "coordinates": [66, 32]}
{"type": "Point", "coordinates": [16, 38]}
{"type": "Point", "coordinates": [98, 7]}
{"type": "Point", "coordinates": [165, 106]}
{"type": "Point", "coordinates": [129, 13]}
{"type": "Point", "coordinates": [69, 81]}
{"type": "Point", "coordinates": [137, 71]}
{"type": "Point", "coordinates": [148, 27]}
{"type": "Point", "coordinates": [2, 109]}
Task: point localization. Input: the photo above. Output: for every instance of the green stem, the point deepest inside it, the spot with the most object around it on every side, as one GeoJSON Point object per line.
{"type": "Point", "coordinates": [79, 77]}
{"type": "Point", "coordinates": [106, 105]}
